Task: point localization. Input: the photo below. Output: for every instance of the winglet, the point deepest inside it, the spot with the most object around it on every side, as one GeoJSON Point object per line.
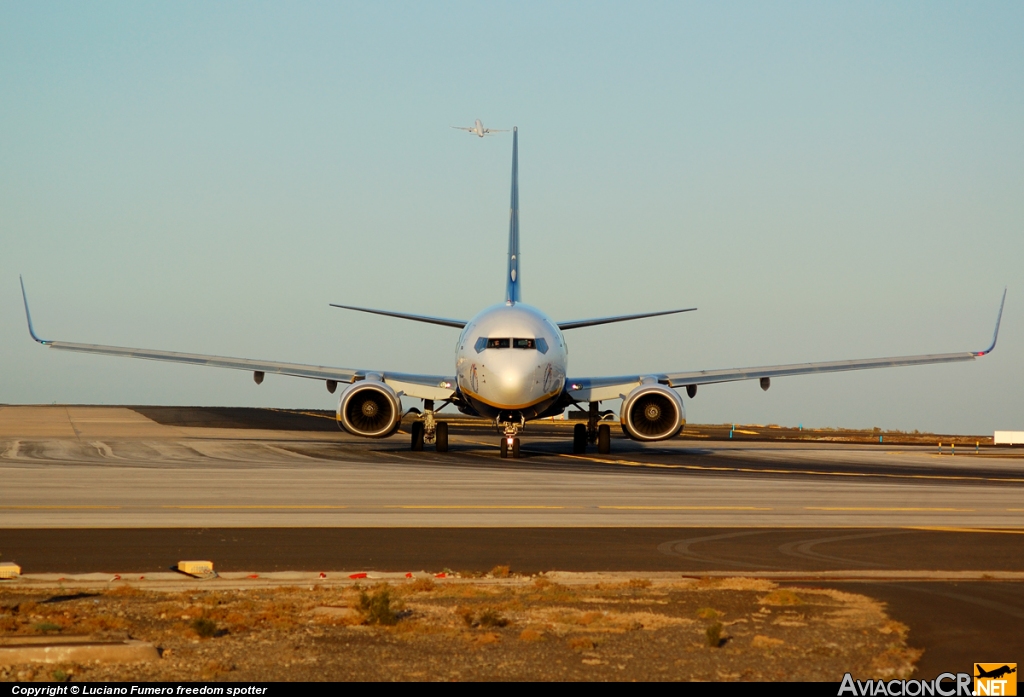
{"type": "Point", "coordinates": [995, 334]}
{"type": "Point", "coordinates": [28, 315]}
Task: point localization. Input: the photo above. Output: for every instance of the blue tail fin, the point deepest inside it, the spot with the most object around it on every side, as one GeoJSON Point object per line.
{"type": "Point", "coordinates": [512, 280]}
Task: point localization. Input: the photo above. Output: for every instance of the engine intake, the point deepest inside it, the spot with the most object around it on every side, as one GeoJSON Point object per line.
{"type": "Point", "coordinates": [369, 408]}
{"type": "Point", "coordinates": [652, 412]}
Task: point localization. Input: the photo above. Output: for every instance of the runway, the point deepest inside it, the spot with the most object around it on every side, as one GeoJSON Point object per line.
{"type": "Point", "coordinates": [89, 489]}
{"type": "Point", "coordinates": [91, 467]}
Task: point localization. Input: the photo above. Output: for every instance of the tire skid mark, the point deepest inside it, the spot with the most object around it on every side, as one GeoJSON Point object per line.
{"type": "Point", "coordinates": [802, 548]}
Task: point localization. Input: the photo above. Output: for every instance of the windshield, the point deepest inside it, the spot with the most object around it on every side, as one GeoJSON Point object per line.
{"type": "Point", "coordinates": [502, 343]}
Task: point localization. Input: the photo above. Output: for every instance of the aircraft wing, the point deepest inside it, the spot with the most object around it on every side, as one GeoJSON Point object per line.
{"type": "Point", "coordinates": [496, 130]}
{"type": "Point", "coordinates": [594, 321]}
{"type": "Point", "coordinates": [596, 389]}
{"type": "Point", "coordinates": [464, 128]}
{"type": "Point", "coordinates": [414, 385]}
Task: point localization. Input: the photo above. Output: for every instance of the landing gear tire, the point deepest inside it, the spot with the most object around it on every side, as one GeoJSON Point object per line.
{"type": "Point", "coordinates": [441, 437]}
{"type": "Point", "coordinates": [417, 435]}
{"type": "Point", "coordinates": [504, 447]}
{"type": "Point", "coordinates": [579, 439]}
{"type": "Point", "coordinates": [604, 439]}
{"type": "Point", "coordinates": [515, 447]}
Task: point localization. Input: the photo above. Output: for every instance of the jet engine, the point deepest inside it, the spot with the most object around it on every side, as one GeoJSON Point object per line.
{"type": "Point", "coordinates": [370, 408]}
{"type": "Point", "coordinates": [652, 412]}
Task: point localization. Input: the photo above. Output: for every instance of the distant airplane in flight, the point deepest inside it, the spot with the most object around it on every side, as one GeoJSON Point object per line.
{"type": "Point", "coordinates": [478, 129]}
{"type": "Point", "coordinates": [511, 367]}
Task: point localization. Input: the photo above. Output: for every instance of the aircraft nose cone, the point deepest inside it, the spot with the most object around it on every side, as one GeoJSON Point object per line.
{"type": "Point", "coordinates": [513, 386]}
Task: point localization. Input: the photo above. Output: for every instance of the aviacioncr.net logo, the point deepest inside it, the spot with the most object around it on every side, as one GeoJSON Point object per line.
{"type": "Point", "coordinates": [946, 685]}
{"type": "Point", "coordinates": [995, 679]}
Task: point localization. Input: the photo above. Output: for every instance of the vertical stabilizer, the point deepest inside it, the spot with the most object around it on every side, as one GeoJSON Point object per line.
{"type": "Point", "coordinates": [512, 279]}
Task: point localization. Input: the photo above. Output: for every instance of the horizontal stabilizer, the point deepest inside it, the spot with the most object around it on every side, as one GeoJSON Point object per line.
{"type": "Point", "coordinates": [576, 324]}
{"type": "Point", "coordinates": [443, 321]}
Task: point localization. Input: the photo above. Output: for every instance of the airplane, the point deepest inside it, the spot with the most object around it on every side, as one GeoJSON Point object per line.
{"type": "Point", "coordinates": [511, 367]}
{"type": "Point", "coordinates": [995, 673]}
{"type": "Point", "coordinates": [478, 129]}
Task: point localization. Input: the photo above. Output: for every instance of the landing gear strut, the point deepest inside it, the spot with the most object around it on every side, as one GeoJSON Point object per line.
{"type": "Point", "coordinates": [511, 423]}
{"type": "Point", "coordinates": [510, 447]}
{"type": "Point", "coordinates": [429, 429]}
{"type": "Point", "coordinates": [592, 432]}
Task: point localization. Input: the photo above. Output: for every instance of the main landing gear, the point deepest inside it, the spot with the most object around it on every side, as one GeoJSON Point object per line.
{"type": "Point", "coordinates": [429, 430]}
{"type": "Point", "coordinates": [592, 432]}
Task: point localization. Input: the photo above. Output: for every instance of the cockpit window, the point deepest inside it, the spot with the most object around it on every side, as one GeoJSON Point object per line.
{"type": "Point", "coordinates": [487, 343]}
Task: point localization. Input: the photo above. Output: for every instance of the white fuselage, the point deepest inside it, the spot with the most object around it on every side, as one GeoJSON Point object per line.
{"type": "Point", "coordinates": [511, 358]}
{"type": "Point", "coordinates": [478, 128]}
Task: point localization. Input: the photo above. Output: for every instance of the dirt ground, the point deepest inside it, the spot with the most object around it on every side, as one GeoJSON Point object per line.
{"type": "Point", "coordinates": [493, 628]}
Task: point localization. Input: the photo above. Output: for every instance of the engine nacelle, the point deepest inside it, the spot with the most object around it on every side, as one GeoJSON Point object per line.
{"type": "Point", "coordinates": [652, 412]}
{"type": "Point", "coordinates": [370, 408]}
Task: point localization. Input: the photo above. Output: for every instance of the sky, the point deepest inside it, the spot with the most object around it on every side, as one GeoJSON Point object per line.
{"type": "Point", "coordinates": [822, 180]}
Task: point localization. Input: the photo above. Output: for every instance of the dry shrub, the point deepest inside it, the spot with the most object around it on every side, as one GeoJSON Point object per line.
{"type": "Point", "coordinates": [422, 585]}
{"type": "Point", "coordinates": [707, 613]}
{"type": "Point", "coordinates": [98, 623]}
{"type": "Point", "coordinates": [531, 635]}
{"type": "Point", "coordinates": [205, 628]}
{"type": "Point", "coordinates": [895, 662]}
{"type": "Point", "coordinates": [639, 583]}
{"type": "Point", "coordinates": [124, 590]}
{"type": "Point", "coordinates": [489, 617]}
{"type": "Point", "coordinates": [894, 627]}
{"type": "Point", "coordinates": [486, 638]}
{"type": "Point", "coordinates": [582, 643]}
{"type": "Point", "coordinates": [713, 635]}
{"type": "Point", "coordinates": [46, 627]}
{"type": "Point", "coordinates": [27, 607]}
{"type": "Point", "coordinates": [542, 583]}
{"type": "Point", "coordinates": [733, 584]}
{"type": "Point", "coordinates": [168, 609]}
{"type": "Point", "coordinates": [782, 596]}
{"type": "Point", "coordinates": [486, 617]}
{"type": "Point", "coordinates": [377, 606]}
{"type": "Point", "coordinates": [500, 571]}
{"type": "Point", "coordinates": [215, 668]}
{"type": "Point", "coordinates": [588, 618]}
{"type": "Point", "coordinates": [764, 642]}
{"type": "Point", "coordinates": [237, 618]}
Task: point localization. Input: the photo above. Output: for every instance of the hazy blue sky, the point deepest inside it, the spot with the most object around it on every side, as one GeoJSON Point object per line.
{"type": "Point", "coordinates": [823, 180]}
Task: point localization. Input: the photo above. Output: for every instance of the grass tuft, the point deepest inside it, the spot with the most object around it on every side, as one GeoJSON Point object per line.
{"type": "Point", "coordinates": [639, 583]}
{"type": "Point", "coordinates": [782, 596]}
{"type": "Point", "coordinates": [714, 637]}
{"type": "Point", "coordinates": [422, 585]}
{"type": "Point", "coordinates": [582, 643]}
{"type": "Point", "coordinates": [46, 627]}
{"type": "Point", "coordinates": [377, 607]}
{"type": "Point", "coordinates": [205, 628]}
{"type": "Point", "coordinates": [500, 571]}
{"type": "Point", "coordinates": [531, 635]}
{"type": "Point", "coordinates": [487, 617]}
{"type": "Point", "coordinates": [707, 613]}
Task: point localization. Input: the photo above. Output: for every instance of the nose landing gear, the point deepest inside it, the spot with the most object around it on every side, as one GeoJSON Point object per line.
{"type": "Point", "coordinates": [510, 447]}
{"type": "Point", "coordinates": [511, 423]}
